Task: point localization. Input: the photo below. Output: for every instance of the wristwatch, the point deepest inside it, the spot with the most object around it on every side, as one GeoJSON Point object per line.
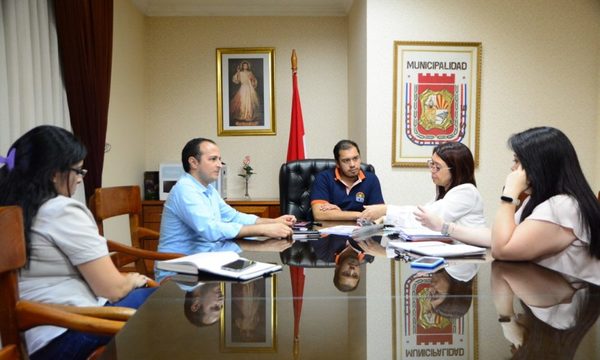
{"type": "Point", "coordinates": [508, 199]}
{"type": "Point", "coordinates": [504, 318]}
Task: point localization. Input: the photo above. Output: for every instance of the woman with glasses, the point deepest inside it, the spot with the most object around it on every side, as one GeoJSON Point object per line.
{"type": "Point", "coordinates": [458, 208]}
{"type": "Point", "coordinates": [558, 224]}
{"type": "Point", "coordinates": [67, 260]}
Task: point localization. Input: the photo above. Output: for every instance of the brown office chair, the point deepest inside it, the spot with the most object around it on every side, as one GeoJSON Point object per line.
{"type": "Point", "coordinates": [19, 315]}
{"type": "Point", "coordinates": [126, 200]}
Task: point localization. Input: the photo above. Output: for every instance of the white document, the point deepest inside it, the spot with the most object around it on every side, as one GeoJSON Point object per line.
{"type": "Point", "coordinates": [212, 262]}
{"type": "Point", "coordinates": [339, 230]}
{"type": "Point", "coordinates": [438, 248]}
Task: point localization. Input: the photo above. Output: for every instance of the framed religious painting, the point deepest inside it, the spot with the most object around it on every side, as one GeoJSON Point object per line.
{"type": "Point", "coordinates": [436, 99]}
{"type": "Point", "coordinates": [249, 321]}
{"type": "Point", "coordinates": [434, 312]}
{"type": "Point", "coordinates": [245, 103]}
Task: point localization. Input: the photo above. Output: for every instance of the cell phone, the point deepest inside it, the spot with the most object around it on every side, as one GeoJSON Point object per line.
{"type": "Point", "coordinates": [427, 262]}
{"type": "Point", "coordinates": [238, 265]}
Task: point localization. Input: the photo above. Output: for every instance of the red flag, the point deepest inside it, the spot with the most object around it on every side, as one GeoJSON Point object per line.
{"type": "Point", "coordinates": [296, 152]}
{"type": "Point", "coordinates": [296, 141]}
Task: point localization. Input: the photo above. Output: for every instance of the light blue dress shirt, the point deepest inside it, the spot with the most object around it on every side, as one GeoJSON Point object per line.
{"type": "Point", "coordinates": [195, 219]}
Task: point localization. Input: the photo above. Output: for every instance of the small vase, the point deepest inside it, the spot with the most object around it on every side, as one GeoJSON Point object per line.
{"type": "Point", "coordinates": [246, 195]}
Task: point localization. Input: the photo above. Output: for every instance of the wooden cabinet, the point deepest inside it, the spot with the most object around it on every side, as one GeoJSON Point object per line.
{"type": "Point", "coordinates": [269, 208]}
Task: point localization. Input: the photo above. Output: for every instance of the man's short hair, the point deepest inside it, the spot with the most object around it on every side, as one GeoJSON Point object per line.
{"type": "Point", "coordinates": [192, 148]}
{"type": "Point", "coordinates": [343, 145]}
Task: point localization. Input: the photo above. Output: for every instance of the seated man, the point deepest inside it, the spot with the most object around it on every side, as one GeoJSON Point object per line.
{"type": "Point", "coordinates": [341, 193]}
{"type": "Point", "coordinates": [196, 219]}
{"type": "Point", "coordinates": [347, 255]}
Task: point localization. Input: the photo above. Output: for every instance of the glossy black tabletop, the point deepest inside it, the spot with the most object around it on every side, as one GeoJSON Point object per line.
{"type": "Point", "coordinates": [470, 309]}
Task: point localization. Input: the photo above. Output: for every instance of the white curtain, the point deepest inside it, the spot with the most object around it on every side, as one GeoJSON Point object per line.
{"type": "Point", "coordinates": [31, 87]}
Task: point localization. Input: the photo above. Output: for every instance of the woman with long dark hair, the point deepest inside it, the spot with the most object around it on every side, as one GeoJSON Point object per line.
{"type": "Point", "coordinates": [67, 260]}
{"type": "Point", "coordinates": [556, 312]}
{"type": "Point", "coordinates": [558, 224]}
{"type": "Point", "coordinates": [457, 210]}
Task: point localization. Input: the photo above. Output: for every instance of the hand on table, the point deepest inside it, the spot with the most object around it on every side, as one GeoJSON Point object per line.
{"type": "Point", "coordinates": [288, 220]}
{"type": "Point", "coordinates": [427, 219]}
{"type": "Point", "coordinates": [373, 212]}
{"type": "Point", "coordinates": [276, 230]}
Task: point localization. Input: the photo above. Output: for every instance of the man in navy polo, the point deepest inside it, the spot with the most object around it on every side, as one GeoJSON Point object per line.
{"type": "Point", "coordinates": [341, 193]}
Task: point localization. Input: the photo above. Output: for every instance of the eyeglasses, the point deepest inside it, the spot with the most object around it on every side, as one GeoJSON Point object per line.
{"type": "Point", "coordinates": [80, 172]}
{"type": "Point", "coordinates": [435, 167]}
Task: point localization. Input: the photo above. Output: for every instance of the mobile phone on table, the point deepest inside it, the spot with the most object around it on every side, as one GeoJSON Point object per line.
{"type": "Point", "coordinates": [427, 262]}
{"type": "Point", "coordinates": [238, 265]}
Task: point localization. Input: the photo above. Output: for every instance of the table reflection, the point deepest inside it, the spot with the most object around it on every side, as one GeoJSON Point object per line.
{"type": "Point", "coordinates": [469, 309]}
{"type": "Point", "coordinates": [542, 311]}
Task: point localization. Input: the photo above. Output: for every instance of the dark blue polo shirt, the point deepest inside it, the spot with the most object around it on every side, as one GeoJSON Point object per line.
{"type": "Point", "coordinates": [329, 188]}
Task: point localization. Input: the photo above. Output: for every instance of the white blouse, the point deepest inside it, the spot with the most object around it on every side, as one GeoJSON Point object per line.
{"type": "Point", "coordinates": [461, 205]}
{"type": "Point", "coordinates": [575, 259]}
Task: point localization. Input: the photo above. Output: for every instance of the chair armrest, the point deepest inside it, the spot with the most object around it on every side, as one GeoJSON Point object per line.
{"type": "Point", "coordinates": [145, 233]}
{"type": "Point", "coordinates": [140, 253]}
{"type": "Point", "coordinates": [102, 312]}
{"type": "Point", "coordinates": [32, 314]}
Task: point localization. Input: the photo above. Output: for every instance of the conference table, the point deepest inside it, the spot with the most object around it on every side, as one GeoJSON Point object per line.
{"type": "Point", "coordinates": [470, 308]}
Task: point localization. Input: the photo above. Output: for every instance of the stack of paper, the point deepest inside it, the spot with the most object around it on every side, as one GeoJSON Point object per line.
{"type": "Point", "coordinates": [438, 248]}
{"type": "Point", "coordinates": [339, 230]}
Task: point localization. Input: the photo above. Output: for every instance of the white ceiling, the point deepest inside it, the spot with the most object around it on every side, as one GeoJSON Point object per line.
{"type": "Point", "coordinates": [244, 7]}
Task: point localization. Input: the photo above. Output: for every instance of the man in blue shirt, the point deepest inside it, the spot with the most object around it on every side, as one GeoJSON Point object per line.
{"type": "Point", "coordinates": [196, 219]}
{"type": "Point", "coordinates": [341, 193]}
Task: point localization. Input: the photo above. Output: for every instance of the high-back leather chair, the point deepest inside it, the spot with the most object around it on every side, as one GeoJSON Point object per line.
{"type": "Point", "coordinates": [18, 315]}
{"type": "Point", "coordinates": [295, 182]}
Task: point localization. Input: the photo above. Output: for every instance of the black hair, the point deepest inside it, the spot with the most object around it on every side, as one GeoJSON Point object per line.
{"type": "Point", "coordinates": [552, 167]}
{"type": "Point", "coordinates": [192, 148]}
{"type": "Point", "coordinates": [39, 154]}
{"type": "Point", "coordinates": [543, 339]}
{"type": "Point", "coordinates": [459, 159]}
{"type": "Point", "coordinates": [457, 301]}
{"type": "Point", "coordinates": [343, 145]}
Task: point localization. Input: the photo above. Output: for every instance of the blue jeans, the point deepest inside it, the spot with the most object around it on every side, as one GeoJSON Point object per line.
{"type": "Point", "coordinates": [79, 345]}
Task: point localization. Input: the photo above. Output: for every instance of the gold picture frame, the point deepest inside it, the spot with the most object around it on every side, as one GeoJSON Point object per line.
{"type": "Point", "coordinates": [249, 321]}
{"type": "Point", "coordinates": [437, 88]}
{"type": "Point", "coordinates": [245, 88]}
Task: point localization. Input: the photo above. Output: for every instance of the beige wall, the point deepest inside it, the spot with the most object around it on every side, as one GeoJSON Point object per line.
{"type": "Point", "coordinates": [357, 76]}
{"type": "Point", "coordinates": [181, 89]}
{"type": "Point", "coordinates": [124, 163]}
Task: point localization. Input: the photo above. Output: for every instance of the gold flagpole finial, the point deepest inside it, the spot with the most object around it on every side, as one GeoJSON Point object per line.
{"type": "Point", "coordinates": [294, 61]}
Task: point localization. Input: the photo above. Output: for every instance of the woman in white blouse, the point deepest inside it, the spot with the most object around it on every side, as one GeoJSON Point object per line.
{"type": "Point", "coordinates": [458, 208]}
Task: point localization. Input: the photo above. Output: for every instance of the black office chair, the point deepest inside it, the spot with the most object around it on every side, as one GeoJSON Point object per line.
{"type": "Point", "coordinates": [295, 181]}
